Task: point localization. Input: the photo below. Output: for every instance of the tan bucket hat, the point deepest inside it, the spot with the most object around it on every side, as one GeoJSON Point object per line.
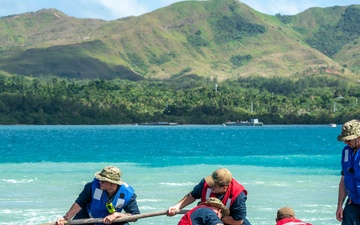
{"type": "Point", "coordinates": [111, 174]}
{"type": "Point", "coordinates": [350, 130]}
{"type": "Point", "coordinates": [215, 202]}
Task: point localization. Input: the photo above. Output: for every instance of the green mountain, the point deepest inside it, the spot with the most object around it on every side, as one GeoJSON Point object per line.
{"type": "Point", "coordinates": [216, 39]}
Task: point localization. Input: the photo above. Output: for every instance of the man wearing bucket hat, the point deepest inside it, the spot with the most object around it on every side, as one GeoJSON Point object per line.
{"type": "Point", "coordinates": [349, 185]}
{"type": "Point", "coordinates": [105, 197]}
{"type": "Point", "coordinates": [286, 216]}
{"type": "Point", "coordinates": [220, 184]}
{"type": "Point", "coordinates": [206, 213]}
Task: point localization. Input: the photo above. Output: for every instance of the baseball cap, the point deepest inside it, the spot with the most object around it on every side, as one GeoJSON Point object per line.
{"type": "Point", "coordinates": [221, 176]}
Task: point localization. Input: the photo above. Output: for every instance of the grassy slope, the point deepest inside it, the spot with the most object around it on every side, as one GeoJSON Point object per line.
{"type": "Point", "coordinates": [274, 53]}
{"type": "Point", "coordinates": [156, 44]}
{"type": "Point", "coordinates": [312, 20]}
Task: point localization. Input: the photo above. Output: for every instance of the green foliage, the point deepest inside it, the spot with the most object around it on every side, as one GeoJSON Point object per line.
{"type": "Point", "coordinates": [181, 73]}
{"type": "Point", "coordinates": [197, 41]}
{"type": "Point", "coordinates": [239, 60]}
{"type": "Point", "coordinates": [235, 27]}
{"type": "Point", "coordinates": [185, 100]}
{"type": "Point", "coordinates": [283, 18]}
{"type": "Point", "coordinates": [329, 39]}
{"type": "Point", "coordinates": [66, 61]}
{"type": "Point", "coordinates": [163, 58]}
{"type": "Point", "coordinates": [137, 62]}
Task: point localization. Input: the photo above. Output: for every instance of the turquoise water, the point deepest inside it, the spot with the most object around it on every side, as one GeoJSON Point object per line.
{"type": "Point", "coordinates": [44, 168]}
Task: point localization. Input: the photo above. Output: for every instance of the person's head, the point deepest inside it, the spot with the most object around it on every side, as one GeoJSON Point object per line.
{"type": "Point", "coordinates": [284, 212]}
{"type": "Point", "coordinates": [109, 176]}
{"type": "Point", "coordinates": [217, 206]}
{"type": "Point", "coordinates": [350, 133]}
{"type": "Point", "coordinates": [219, 180]}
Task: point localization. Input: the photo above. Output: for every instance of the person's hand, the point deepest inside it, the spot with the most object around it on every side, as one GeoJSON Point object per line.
{"type": "Point", "coordinates": [111, 217]}
{"type": "Point", "coordinates": [339, 213]}
{"type": "Point", "coordinates": [172, 211]}
{"type": "Point", "coordinates": [60, 221]}
{"type": "Point", "coordinates": [219, 214]}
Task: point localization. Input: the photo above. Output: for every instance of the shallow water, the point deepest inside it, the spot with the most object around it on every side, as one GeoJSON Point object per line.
{"type": "Point", "coordinates": [44, 168]}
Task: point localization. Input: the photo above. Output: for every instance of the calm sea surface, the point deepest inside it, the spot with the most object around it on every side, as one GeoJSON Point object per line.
{"type": "Point", "coordinates": [44, 168]}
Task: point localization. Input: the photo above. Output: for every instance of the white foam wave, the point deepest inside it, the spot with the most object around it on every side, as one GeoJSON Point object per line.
{"type": "Point", "coordinates": [6, 211]}
{"type": "Point", "coordinates": [178, 184]}
{"type": "Point", "coordinates": [145, 208]}
{"type": "Point", "coordinates": [19, 181]}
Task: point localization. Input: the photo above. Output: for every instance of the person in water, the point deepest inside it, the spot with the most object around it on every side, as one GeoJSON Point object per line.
{"type": "Point", "coordinates": [209, 212]}
{"type": "Point", "coordinates": [105, 197]}
{"type": "Point", "coordinates": [286, 216]}
{"type": "Point", "coordinates": [350, 173]}
{"type": "Point", "coordinates": [222, 185]}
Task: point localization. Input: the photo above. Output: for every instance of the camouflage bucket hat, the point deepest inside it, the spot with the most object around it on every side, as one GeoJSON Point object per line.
{"type": "Point", "coordinates": [111, 174]}
{"type": "Point", "coordinates": [217, 204]}
{"type": "Point", "coordinates": [350, 130]}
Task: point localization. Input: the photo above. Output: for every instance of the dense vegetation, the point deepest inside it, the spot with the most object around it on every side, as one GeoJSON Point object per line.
{"type": "Point", "coordinates": [185, 100]}
{"type": "Point", "coordinates": [235, 27]}
{"type": "Point", "coordinates": [329, 39]}
{"type": "Point", "coordinates": [160, 66]}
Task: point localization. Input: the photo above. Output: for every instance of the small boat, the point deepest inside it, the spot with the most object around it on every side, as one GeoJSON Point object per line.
{"type": "Point", "coordinates": [158, 124]}
{"type": "Point", "coordinates": [332, 124]}
{"type": "Point", "coordinates": [253, 122]}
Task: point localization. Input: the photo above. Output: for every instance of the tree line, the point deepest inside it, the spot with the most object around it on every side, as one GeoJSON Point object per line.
{"type": "Point", "coordinates": [186, 100]}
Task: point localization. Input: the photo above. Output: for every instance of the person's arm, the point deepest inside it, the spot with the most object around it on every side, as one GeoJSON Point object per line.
{"type": "Point", "coordinates": [342, 190]}
{"type": "Point", "coordinates": [341, 198]}
{"type": "Point", "coordinates": [111, 217]}
{"type": "Point", "coordinates": [74, 209]}
{"type": "Point", "coordinates": [187, 200]}
{"type": "Point", "coordinates": [237, 211]}
{"type": "Point", "coordinates": [83, 198]}
{"type": "Point", "coordinates": [132, 207]}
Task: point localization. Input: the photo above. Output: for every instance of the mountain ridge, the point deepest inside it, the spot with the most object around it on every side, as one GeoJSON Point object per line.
{"type": "Point", "coordinates": [218, 39]}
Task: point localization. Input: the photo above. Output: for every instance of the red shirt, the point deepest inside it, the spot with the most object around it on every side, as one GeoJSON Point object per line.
{"type": "Point", "coordinates": [291, 221]}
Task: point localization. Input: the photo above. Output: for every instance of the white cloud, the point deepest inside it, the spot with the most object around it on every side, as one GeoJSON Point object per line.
{"type": "Point", "coordinates": [292, 7]}
{"type": "Point", "coordinates": [273, 7]}
{"type": "Point", "coordinates": [118, 9]}
{"type": "Point", "coordinates": [285, 7]}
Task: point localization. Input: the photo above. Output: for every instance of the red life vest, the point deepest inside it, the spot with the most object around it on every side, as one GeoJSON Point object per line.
{"type": "Point", "coordinates": [234, 189]}
{"type": "Point", "coordinates": [291, 221]}
{"type": "Point", "coordinates": [186, 219]}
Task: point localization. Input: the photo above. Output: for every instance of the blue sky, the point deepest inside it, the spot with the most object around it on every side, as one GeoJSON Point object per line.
{"type": "Point", "coordinates": [115, 9]}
